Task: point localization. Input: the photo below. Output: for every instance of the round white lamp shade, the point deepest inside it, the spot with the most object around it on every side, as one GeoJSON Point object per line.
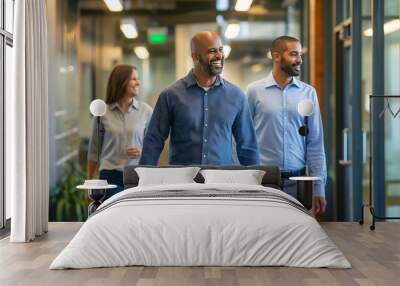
{"type": "Point", "coordinates": [98, 107]}
{"type": "Point", "coordinates": [305, 107]}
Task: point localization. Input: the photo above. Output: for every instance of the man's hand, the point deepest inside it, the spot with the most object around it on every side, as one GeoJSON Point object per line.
{"type": "Point", "coordinates": [318, 206]}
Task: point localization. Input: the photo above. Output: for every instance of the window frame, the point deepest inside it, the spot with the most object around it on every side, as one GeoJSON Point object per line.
{"type": "Point", "coordinates": [6, 39]}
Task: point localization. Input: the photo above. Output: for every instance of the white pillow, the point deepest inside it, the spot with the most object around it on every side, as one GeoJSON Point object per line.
{"type": "Point", "coordinates": [248, 177]}
{"type": "Point", "coordinates": [166, 176]}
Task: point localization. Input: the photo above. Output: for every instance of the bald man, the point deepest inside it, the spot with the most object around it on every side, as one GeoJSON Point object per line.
{"type": "Point", "coordinates": [201, 112]}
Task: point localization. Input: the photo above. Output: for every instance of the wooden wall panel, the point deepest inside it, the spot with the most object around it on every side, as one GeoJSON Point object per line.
{"type": "Point", "coordinates": [316, 48]}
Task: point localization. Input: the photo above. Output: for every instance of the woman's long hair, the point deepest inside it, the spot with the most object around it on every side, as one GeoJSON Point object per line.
{"type": "Point", "coordinates": [117, 82]}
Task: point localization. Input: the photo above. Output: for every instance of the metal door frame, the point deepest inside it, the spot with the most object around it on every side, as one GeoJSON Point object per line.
{"type": "Point", "coordinates": [343, 163]}
{"type": "Point", "coordinates": [349, 31]}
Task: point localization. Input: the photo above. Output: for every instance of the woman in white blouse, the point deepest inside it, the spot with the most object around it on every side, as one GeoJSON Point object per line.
{"type": "Point", "coordinates": [122, 128]}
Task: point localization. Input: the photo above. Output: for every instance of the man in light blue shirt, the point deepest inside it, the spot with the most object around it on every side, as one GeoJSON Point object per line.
{"type": "Point", "coordinates": [273, 104]}
{"type": "Point", "coordinates": [201, 112]}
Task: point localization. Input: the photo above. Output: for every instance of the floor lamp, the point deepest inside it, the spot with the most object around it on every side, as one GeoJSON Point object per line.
{"type": "Point", "coordinates": [305, 184]}
{"type": "Point", "coordinates": [96, 188]}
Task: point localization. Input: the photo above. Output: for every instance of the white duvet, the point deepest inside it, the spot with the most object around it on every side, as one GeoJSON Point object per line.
{"type": "Point", "coordinates": [183, 231]}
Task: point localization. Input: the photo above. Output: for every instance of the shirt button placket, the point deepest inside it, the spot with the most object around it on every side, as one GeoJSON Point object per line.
{"type": "Point", "coordinates": [205, 129]}
{"type": "Point", "coordinates": [125, 143]}
{"type": "Point", "coordinates": [284, 127]}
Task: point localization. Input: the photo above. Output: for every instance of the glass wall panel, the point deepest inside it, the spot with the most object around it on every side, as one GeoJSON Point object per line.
{"type": "Point", "coordinates": [9, 15]}
{"type": "Point", "coordinates": [6, 66]}
{"type": "Point", "coordinates": [66, 168]}
{"type": "Point", "coordinates": [2, 111]}
{"type": "Point", "coordinates": [1, 15]}
{"type": "Point", "coordinates": [366, 88]}
{"type": "Point", "coordinates": [392, 126]}
{"type": "Point", "coordinates": [9, 60]}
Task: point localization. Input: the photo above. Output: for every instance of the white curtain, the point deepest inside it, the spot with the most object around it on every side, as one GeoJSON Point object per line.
{"type": "Point", "coordinates": [27, 133]}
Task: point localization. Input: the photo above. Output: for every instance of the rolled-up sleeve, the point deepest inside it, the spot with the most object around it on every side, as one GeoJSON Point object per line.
{"type": "Point", "coordinates": [245, 136]}
{"type": "Point", "coordinates": [157, 132]}
{"type": "Point", "coordinates": [315, 149]}
{"type": "Point", "coordinates": [96, 140]}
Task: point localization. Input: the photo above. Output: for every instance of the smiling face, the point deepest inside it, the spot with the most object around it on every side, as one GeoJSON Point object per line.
{"type": "Point", "coordinates": [123, 83]}
{"type": "Point", "coordinates": [208, 54]}
{"type": "Point", "coordinates": [132, 87]}
{"type": "Point", "coordinates": [290, 60]}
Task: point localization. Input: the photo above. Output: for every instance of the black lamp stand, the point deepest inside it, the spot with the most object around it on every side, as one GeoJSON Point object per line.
{"type": "Point", "coordinates": [305, 188]}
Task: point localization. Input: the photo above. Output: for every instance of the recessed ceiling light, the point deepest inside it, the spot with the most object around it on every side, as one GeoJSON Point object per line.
{"type": "Point", "coordinates": [142, 52]}
{"type": "Point", "coordinates": [114, 5]}
{"type": "Point", "coordinates": [243, 5]}
{"type": "Point", "coordinates": [128, 28]}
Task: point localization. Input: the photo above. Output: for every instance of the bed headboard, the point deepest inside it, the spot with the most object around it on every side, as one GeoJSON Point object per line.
{"type": "Point", "coordinates": [272, 177]}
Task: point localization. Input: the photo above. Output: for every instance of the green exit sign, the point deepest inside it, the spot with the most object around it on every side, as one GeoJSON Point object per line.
{"type": "Point", "coordinates": [157, 36]}
{"type": "Point", "coordinates": [157, 39]}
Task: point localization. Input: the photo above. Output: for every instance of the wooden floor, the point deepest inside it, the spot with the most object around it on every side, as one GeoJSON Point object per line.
{"type": "Point", "coordinates": [374, 255]}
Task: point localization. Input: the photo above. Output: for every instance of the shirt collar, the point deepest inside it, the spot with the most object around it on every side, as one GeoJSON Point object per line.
{"type": "Point", "coordinates": [134, 105]}
{"type": "Point", "coordinates": [295, 82]}
{"type": "Point", "coordinates": [190, 80]}
{"type": "Point", "coordinates": [270, 81]}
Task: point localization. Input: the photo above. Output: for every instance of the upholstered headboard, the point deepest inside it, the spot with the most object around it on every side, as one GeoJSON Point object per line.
{"type": "Point", "coordinates": [272, 177]}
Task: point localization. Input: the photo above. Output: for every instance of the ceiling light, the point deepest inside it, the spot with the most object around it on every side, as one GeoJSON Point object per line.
{"type": "Point", "coordinates": [220, 20]}
{"type": "Point", "coordinates": [368, 32]}
{"type": "Point", "coordinates": [391, 26]}
{"type": "Point", "coordinates": [227, 51]}
{"type": "Point", "coordinates": [388, 27]}
{"type": "Point", "coordinates": [243, 5]}
{"type": "Point", "coordinates": [142, 52]}
{"type": "Point", "coordinates": [114, 5]}
{"type": "Point", "coordinates": [232, 31]}
{"type": "Point", "coordinates": [128, 28]}
{"type": "Point", "coordinates": [222, 5]}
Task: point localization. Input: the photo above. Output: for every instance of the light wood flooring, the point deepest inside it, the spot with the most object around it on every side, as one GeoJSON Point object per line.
{"type": "Point", "coordinates": [374, 255]}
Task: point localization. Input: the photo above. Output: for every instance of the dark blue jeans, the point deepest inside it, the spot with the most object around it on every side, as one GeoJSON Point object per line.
{"type": "Point", "coordinates": [113, 177]}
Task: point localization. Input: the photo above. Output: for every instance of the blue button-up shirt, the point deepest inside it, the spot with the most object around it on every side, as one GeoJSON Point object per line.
{"type": "Point", "coordinates": [201, 124]}
{"type": "Point", "coordinates": [276, 120]}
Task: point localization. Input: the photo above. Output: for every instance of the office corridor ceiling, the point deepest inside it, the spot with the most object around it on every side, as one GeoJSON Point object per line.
{"type": "Point", "coordinates": [169, 13]}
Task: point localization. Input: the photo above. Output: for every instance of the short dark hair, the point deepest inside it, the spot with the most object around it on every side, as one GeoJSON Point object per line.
{"type": "Point", "coordinates": [117, 82]}
{"type": "Point", "coordinates": [279, 44]}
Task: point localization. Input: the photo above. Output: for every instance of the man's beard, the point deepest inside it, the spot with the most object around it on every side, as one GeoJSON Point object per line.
{"type": "Point", "coordinates": [208, 68]}
{"type": "Point", "coordinates": [289, 68]}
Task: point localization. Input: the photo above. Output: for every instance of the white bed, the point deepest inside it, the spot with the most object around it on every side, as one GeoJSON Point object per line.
{"type": "Point", "coordinates": [222, 225]}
